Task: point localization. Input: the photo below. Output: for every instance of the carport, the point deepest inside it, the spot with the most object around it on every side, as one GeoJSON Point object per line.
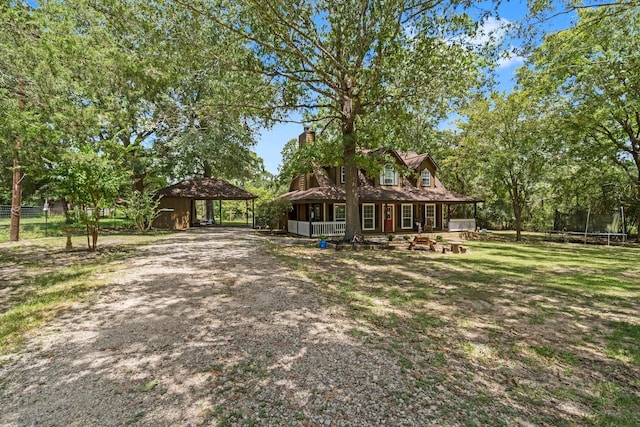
{"type": "Point", "coordinates": [178, 202]}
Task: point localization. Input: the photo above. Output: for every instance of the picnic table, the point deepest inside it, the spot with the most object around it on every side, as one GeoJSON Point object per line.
{"type": "Point", "coordinates": [422, 240]}
{"type": "Point", "coordinates": [456, 246]}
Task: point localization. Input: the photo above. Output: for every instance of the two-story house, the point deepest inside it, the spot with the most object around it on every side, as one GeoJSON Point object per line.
{"type": "Point", "coordinates": [393, 202]}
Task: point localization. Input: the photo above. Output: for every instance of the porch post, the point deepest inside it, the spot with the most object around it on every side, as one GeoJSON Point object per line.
{"type": "Point", "coordinates": [384, 217]}
{"type": "Point", "coordinates": [253, 213]}
{"type": "Point", "coordinates": [448, 216]}
{"type": "Point", "coordinates": [220, 209]}
{"type": "Point", "coordinates": [475, 213]}
{"type": "Point", "coordinates": [310, 208]}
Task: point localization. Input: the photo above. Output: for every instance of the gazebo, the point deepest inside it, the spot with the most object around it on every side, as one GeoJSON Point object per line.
{"type": "Point", "coordinates": [178, 202]}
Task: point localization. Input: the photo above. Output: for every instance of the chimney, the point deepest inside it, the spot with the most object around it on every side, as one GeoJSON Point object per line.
{"type": "Point", "coordinates": [306, 137]}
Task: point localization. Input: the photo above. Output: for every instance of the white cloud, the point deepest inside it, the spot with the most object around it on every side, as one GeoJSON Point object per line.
{"type": "Point", "coordinates": [512, 60]}
{"type": "Point", "coordinates": [497, 31]}
{"type": "Point", "coordinates": [492, 30]}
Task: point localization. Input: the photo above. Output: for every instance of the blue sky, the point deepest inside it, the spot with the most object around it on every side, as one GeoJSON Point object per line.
{"type": "Point", "coordinates": [271, 141]}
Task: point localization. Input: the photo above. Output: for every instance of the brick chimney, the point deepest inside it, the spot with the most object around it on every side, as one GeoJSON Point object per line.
{"type": "Point", "coordinates": [306, 137]}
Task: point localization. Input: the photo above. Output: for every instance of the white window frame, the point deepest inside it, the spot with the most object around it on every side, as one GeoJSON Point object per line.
{"type": "Point", "coordinates": [335, 210]}
{"type": "Point", "coordinates": [435, 213]}
{"type": "Point", "coordinates": [343, 175]}
{"type": "Point", "coordinates": [425, 175]}
{"type": "Point", "coordinates": [392, 174]}
{"type": "Point", "coordinates": [403, 217]}
{"type": "Point", "coordinates": [373, 218]}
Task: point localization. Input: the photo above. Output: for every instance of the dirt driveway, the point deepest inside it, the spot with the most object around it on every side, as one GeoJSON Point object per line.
{"type": "Point", "coordinates": [206, 328]}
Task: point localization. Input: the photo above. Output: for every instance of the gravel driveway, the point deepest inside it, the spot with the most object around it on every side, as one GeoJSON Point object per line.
{"type": "Point", "coordinates": [206, 328]}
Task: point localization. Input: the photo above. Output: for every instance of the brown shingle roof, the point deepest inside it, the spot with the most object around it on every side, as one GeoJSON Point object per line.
{"type": "Point", "coordinates": [368, 193]}
{"type": "Point", "coordinates": [206, 189]}
{"type": "Point", "coordinates": [413, 160]}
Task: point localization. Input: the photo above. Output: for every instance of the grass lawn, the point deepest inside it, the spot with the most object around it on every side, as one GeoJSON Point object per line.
{"type": "Point", "coordinates": [32, 228]}
{"type": "Point", "coordinates": [39, 278]}
{"type": "Point", "coordinates": [540, 333]}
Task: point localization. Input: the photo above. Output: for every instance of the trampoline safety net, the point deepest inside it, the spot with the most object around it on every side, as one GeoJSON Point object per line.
{"type": "Point", "coordinates": [583, 220]}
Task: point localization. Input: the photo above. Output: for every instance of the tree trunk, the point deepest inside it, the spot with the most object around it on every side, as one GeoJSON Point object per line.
{"type": "Point", "coordinates": [350, 110]}
{"type": "Point", "coordinates": [209, 209]}
{"type": "Point", "coordinates": [96, 226]}
{"type": "Point", "coordinates": [65, 210]}
{"type": "Point", "coordinates": [638, 212]}
{"type": "Point", "coordinates": [353, 229]}
{"type": "Point", "coordinates": [517, 203]}
{"type": "Point", "coordinates": [207, 172]}
{"type": "Point", "coordinates": [16, 198]}
{"type": "Point", "coordinates": [16, 189]}
{"type": "Point", "coordinates": [517, 211]}
{"type": "Point", "coordinates": [138, 182]}
{"type": "Point", "coordinates": [93, 229]}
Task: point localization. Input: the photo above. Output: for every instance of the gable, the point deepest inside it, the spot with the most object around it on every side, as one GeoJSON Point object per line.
{"type": "Point", "coordinates": [418, 162]}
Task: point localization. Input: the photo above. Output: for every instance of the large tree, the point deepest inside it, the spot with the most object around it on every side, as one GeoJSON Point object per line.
{"type": "Point", "coordinates": [356, 64]}
{"type": "Point", "coordinates": [505, 136]}
{"type": "Point", "coordinates": [209, 129]}
{"type": "Point", "coordinates": [128, 80]}
{"type": "Point", "coordinates": [33, 87]}
{"type": "Point", "coordinates": [211, 123]}
{"type": "Point", "coordinates": [589, 74]}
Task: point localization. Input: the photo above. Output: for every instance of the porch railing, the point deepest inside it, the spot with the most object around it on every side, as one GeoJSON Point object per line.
{"type": "Point", "coordinates": [335, 228]}
{"type": "Point", "coordinates": [298, 227]}
{"type": "Point", "coordinates": [462, 224]}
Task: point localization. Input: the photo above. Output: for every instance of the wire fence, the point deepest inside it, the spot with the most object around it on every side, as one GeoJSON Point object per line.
{"type": "Point", "coordinates": [25, 211]}
{"type": "Point", "coordinates": [38, 212]}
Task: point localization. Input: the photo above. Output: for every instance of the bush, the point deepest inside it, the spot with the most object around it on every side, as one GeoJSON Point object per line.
{"type": "Point", "coordinates": [271, 214]}
{"type": "Point", "coordinates": [142, 209]}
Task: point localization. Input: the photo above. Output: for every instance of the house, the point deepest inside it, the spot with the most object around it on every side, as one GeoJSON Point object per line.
{"type": "Point", "coordinates": [396, 201]}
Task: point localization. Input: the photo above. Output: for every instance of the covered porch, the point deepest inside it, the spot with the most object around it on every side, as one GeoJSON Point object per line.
{"type": "Point", "coordinates": [328, 218]}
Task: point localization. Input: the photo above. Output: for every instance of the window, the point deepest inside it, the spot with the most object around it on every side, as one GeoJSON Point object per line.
{"type": "Point", "coordinates": [339, 212]}
{"type": "Point", "coordinates": [368, 216]}
{"type": "Point", "coordinates": [388, 176]}
{"type": "Point", "coordinates": [430, 215]}
{"type": "Point", "coordinates": [342, 175]}
{"type": "Point", "coordinates": [426, 178]}
{"type": "Point", "coordinates": [407, 216]}
{"type": "Point", "coordinates": [315, 213]}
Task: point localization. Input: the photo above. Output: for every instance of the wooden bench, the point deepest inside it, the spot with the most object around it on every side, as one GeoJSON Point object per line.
{"type": "Point", "coordinates": [422, 240]}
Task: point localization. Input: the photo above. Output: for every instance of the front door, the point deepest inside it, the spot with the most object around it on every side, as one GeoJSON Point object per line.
{"type": "Point", "coordinates": [388, 218]}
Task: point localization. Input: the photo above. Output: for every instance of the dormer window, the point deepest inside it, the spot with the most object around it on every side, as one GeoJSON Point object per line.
{"type": "Point", "coordinates": [388, 176]}
{"type": "Point", "coordinates": [425, 176]}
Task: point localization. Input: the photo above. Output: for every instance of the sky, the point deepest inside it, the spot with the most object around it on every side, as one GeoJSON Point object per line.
{"type": "Point", "coordinates": [271, 141]}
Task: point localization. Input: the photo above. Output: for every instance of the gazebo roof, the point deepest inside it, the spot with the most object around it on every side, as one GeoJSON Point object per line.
{"type": "Point", "coordinates": [206, 189]}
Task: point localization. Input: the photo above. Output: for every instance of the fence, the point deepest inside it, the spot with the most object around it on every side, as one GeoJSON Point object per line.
{"type": "Point", "coordinates": [37, 212]}
{"type": "Point", "coordinates": [25, 211]}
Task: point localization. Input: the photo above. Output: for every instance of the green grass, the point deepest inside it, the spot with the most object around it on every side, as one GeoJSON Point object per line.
{"type": "Point", "coordinates": [542, 332]}
{"type": "Point", "coordinates": [33, 228]}
{"type": "Point", "coordinates": [40, 278]}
